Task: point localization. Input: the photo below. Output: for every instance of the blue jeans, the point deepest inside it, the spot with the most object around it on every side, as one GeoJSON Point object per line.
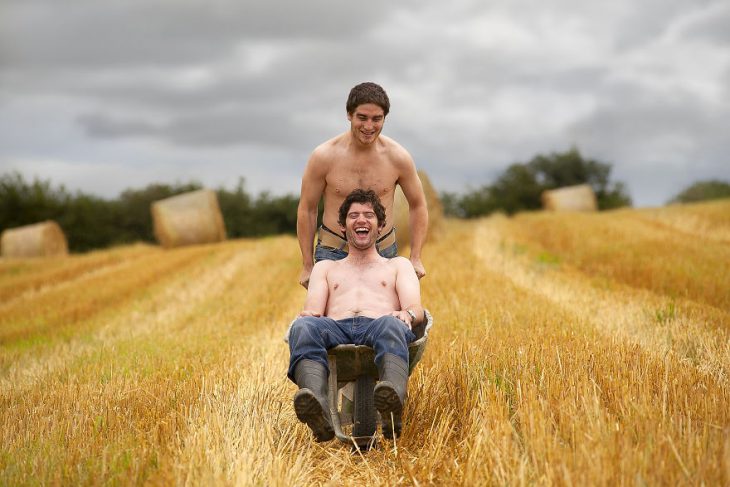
{"type": "Point", "coordinates": [310, 337]}
{"type": "Point", "coordinates": [322, 252]}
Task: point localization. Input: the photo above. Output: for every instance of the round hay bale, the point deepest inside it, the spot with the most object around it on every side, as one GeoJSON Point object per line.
{"type": "Point", "coordinates": [570, 198]}
{"type": "Point", "coordinates": [38, 240]}
{"type": "Point", "coordinates": [400, 212]}
{"type": "Point", "coordinates": [188, 219]}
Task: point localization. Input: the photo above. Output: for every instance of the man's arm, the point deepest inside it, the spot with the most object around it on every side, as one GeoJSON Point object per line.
{"type": "Point", "coordinates": [409, 292]}
{"type": "Point", "coordinates": [313, 184]}
{"type": "Point", "coordinates": [318, 291]}
{"type": "Point", "coordinates": [418, 211]}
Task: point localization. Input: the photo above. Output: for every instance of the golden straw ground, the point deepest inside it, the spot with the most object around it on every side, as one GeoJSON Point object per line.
{"type": "Point", "coordinates": [554, 359]}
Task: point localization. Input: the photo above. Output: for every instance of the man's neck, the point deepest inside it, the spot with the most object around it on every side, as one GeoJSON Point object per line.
{"type": "Point", "coordinates": [357, 146]}
{"type": "Point", "coordinates": [362, 256]}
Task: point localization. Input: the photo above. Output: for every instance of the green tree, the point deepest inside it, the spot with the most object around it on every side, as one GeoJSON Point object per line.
{"type": "Point", "coordinates": [90, 222]}
{"type": "Point", "coordinates": [237, 210]}
{"type": "Point", "coordinates": [703, 190]}
{"type": "Point", "coordinates": [24, 203]}
{"type": "Point", "coordinates": [569, 168]}
{"type": "Point", "coordinates": [521, 185]}
{"type": "Point", "coordinates": [276, 215]}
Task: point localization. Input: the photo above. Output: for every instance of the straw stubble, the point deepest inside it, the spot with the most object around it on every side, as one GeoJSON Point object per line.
{"type": "Point", "coordinates": [542, 368]}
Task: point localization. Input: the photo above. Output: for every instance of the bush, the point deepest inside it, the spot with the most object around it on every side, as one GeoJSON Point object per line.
{"type": "Point", "coordinates": [91, 222]}
{"type": "Point", "coordinates": [703, 190]}
{"type": "Point", "coordinates": [521, 185]}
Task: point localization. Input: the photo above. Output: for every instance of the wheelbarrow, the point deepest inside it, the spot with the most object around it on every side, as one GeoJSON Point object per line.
{"type": "Point", "coordinates": [355, 364]}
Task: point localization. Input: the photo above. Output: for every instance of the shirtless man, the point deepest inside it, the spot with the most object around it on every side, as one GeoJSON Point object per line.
{"type": "Point", "coordinates": [359, 158]}
{"type": "Point", "coordinates": [365, 299]}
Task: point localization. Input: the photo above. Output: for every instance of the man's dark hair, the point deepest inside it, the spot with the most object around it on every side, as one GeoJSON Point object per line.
{"type": "Point", "coordinates": [367, 93]}
{"type": "Point", "coordinates": [362, 196]}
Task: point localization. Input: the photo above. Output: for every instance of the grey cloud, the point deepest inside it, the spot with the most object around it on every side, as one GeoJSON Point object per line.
{"type": "Point", "coordinates": [252, 126]}
{"type": "Point", "coordinates": [118, 67]}
{"type": "Point", "coordinates": [98, 125]}
{"type": "Point", "coordinates": [713, 26]}
{"type": "Point", "coordinates": [128, 33]}
{"type": "Point", "coordinates": [659, 144]}
{"type": "Point", "coordinates": [630, 115]}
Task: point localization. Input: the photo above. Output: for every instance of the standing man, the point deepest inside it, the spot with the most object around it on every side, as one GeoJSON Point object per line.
{"type": "Point", "coordinates": [359, 158]}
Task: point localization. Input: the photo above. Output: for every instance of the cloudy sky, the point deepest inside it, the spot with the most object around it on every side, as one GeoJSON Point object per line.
{"type": "Point", "coordinates": [103, 95]}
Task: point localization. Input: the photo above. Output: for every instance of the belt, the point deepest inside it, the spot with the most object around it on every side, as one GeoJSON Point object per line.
{"type": "Point", "coordinates": [328, 238]}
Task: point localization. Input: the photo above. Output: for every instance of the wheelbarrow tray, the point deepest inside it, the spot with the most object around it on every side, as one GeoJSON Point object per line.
{"type": "Point", "coordinates": [356, 363]}
{"type": "Point", "coordinates": [356, 360]}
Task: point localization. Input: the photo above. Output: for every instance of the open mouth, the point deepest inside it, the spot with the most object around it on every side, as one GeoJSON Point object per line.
{"type": "Point", "coordinates": [361, 232]}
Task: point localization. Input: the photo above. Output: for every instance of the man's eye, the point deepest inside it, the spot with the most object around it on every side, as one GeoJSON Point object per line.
{"type": "Point", "coordinates": [370, 215]}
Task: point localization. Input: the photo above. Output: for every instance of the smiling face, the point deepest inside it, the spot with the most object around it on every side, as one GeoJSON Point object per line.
{"type": "Point", "coordinates": [366, 122]}
{"type": "Point", "coordinates": [361, 226]}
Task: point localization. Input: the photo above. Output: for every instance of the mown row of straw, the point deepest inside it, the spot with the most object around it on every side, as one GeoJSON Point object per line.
{"type": "Point", "coordinates": [542, 367]}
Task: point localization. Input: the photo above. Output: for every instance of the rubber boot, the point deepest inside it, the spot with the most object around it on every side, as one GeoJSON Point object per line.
{"type": "Point", "coordinates": [390, 393]}
{"type": "Point", "coordinates": [310, 401]}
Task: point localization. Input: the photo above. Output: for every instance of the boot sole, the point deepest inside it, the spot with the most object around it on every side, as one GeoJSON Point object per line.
{"type": "Point", "coordinates": [310, 411]}
{"type": "Point", "coordinates": [387, 402]}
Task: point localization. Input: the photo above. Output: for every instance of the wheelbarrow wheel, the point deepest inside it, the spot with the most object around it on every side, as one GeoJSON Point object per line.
{"type": "Point", "coordinates": [364, 414]}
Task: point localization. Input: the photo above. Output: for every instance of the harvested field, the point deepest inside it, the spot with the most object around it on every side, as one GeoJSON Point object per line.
{"type": "Point", "coordinates": [568, 349]}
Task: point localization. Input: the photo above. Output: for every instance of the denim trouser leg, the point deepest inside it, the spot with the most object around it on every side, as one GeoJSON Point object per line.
{"type": "Point", "coordinates": [327, 253]}
{"type": "Point", "coordinates": [389, 252]}
{"type": "Point", "coordinates": [310, 337]}
{"type": "Point", "coordinates": [387, 334]}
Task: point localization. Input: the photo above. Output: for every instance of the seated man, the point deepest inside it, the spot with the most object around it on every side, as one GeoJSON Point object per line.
{"type": "Point", "coordinates": [364, 299]}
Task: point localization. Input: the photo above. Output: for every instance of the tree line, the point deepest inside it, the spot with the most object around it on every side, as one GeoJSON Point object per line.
{"type": "Point", "coordinates": [520, 186]}
{"type": "Point", "coordinates": [93, 222]}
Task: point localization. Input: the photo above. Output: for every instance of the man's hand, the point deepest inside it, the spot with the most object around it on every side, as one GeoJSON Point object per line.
{"type": "Point", "coordinates": [418, 267]}
{"type": "Point", "coordinates": [304, 276]}
{"type": "Point", "coordinates": [404, 317]}
{"type": "Point", "coordinates": [306, 312]}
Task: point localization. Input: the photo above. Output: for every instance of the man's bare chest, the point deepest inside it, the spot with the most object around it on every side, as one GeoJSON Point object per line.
{"type": "Point", "coordinates": [379, 176]}
{"type": "Point", "coordinates": [379, 279]}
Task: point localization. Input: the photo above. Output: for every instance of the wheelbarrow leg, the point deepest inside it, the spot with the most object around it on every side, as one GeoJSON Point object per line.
{"type": "Point", "coordinates": [332, 393]}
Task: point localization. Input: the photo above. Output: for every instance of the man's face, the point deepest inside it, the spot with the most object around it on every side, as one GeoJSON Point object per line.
{"type": "Point", "coordinates": [361, 226]}
{"type": "Point", "coordinates": [366, 122]}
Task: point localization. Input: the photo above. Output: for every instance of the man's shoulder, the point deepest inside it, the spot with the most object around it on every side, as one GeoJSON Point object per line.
{"type": "Point", "coordinates": [327, 149]}
{"type": "Point", "coordinates": [400, 262]}
{"type": "Point", "coordinates": [324, 265]}
{"type": "Point", "coordinates": [396, 152]}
